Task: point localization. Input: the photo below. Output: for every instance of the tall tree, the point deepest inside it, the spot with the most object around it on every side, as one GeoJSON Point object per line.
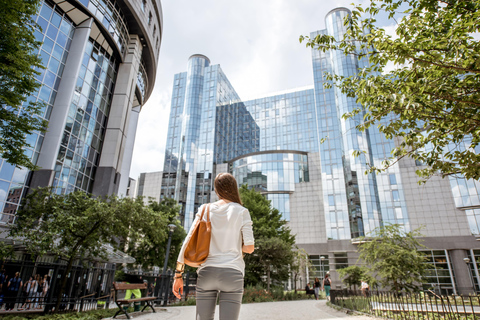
{"type": "Point", "coordinates": [393, 255]}
{"type": "Point", "coordinates": [430, 100]}
{"type": "Point", "coordinates": [77, 225]}
{"type": "Point", "coordinates": [149, 247]}
{"type": "Point", "coordinates": [18, 67]}
{"type": "Point", "coordinates": [274, 244]}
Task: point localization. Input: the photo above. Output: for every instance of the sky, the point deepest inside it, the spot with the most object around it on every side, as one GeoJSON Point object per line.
{"type": "Point", "coordinates": [256, 43]}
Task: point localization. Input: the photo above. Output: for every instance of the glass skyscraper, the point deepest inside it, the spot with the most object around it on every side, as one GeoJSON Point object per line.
{"type": "Point", "coordinates": [100, 59]}
{"type": "Point", "coordinates": [296, 149]}
{"type": "Point", "coordinates": [100, 67]}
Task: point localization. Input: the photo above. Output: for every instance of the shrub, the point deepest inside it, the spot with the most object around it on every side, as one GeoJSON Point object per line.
{"type": "Point", "coordinates": [256, 294]}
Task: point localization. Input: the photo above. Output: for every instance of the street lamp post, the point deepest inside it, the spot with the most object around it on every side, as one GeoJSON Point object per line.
{"type": "Point", "coordinates": [322, 271]}
{"type": "Point", "coordinates": [164, 282]}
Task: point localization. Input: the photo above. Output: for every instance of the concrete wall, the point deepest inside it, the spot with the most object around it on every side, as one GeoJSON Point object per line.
{"type": "Point", "coordinates": [307, 217]}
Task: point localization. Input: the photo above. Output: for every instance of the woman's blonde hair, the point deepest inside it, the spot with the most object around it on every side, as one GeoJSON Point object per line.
{"type": "Point", "coordinates": [226, 187]}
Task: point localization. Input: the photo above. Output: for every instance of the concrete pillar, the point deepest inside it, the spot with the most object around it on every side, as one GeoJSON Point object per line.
{"type": "Point", "coordinates": [463, 275]}
{"type": "Point", "coordinates": [107, 178]}
{"type": "Point", "coordinates": [56, 125]}
{"type": "Point", "coordinates": [127, 157]}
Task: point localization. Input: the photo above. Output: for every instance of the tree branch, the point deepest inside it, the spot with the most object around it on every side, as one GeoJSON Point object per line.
{"type": "Point", "coordinates": [443, 65]}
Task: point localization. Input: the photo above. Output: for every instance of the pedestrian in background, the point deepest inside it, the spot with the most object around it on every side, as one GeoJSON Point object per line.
{"type": "Point", "coordinates": [317, 285]}
{"type": "Point", "coordinates": [327, 283]}
{"type": "Point", "coordinates": [365, 288]}
{"type": "Point", "coordinates": [13, 287]}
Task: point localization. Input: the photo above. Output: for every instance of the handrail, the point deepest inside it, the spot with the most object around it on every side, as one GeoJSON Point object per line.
{"type": "Point", "coordinates": [89, 295]}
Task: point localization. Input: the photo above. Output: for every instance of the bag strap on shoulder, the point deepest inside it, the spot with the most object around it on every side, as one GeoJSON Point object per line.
{"type": "Point", "coordinates": [207, 206]}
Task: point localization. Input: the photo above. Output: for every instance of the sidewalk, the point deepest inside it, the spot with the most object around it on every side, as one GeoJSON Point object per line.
{"type": "Point", "coordinates": [285, 310]}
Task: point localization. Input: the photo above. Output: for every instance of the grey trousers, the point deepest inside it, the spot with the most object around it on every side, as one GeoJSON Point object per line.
{"type": "Point", "coordinates": [227, 284]}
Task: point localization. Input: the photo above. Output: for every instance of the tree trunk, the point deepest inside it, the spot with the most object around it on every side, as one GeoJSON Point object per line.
{"type": "Point", "coordinates": [397, 289]}
{"type": "Point", "coordinates": [63, 283]}
{"type": "Point", "coordinates": [295, 283]}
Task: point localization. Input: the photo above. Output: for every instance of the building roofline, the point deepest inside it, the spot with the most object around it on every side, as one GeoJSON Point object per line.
{"type": "Point", "coordinates": [198, 55]}
{"type": "Point", "coordinates": [268, 152]}
{"type": "Point", "coordinates": [338, 9]}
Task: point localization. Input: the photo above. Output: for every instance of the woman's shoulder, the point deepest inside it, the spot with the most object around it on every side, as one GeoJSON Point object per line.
{"type": "Point", "coordinates": [229, 205]}
{"type": "Point", "coordinates": [238, 207]}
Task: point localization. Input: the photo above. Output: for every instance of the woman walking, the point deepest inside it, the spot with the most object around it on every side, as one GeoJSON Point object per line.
{"type": "Point", "coordinates": [327, 282]}
{"type": "Point", "coordinates": [317, 286]}
{"type": "Point", "coordinates": [38, 294]}
{"type": "Point", "coordinates": [222, 273]}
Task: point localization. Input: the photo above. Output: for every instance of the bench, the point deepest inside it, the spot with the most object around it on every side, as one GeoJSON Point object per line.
{"type": "Point", "coordinates": [131, 286]}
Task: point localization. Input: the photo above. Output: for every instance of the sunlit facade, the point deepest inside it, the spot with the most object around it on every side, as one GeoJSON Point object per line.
{"type": "Point", "coordinates": [100, 59]}
{"type": "Point", "coordinates": [296, 149]}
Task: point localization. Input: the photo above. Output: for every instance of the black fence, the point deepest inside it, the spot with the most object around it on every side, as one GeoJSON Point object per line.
{"type": "Point", "coordinates": [88, 283]}
{"type": "Point", "coordinates": [89, 286]}
{"type": "Point", "coordinates": [423, 305]}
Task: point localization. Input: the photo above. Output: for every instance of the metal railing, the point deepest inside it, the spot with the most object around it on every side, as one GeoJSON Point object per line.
{"type": "Point", "coordinates": [423, 305]}
{"type": "Point", "coordinates": [41, 304]}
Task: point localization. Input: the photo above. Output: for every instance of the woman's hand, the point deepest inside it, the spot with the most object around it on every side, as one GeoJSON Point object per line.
{"type": "Point", "coordinates": [178, 287]}
{"type": "Point", "coordinates": [248, 249]}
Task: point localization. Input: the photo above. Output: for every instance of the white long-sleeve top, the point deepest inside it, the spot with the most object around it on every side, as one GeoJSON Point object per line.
{"type": "Point", "coordinates": [231, 224]}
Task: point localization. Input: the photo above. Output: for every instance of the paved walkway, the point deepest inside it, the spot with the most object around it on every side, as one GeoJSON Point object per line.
{"type": "Point", "coordinates": [285, 310]}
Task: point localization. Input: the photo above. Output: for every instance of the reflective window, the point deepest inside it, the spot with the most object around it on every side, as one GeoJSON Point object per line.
{"type": "Point", "coordinates": [109, 14]}
{"type": "Point", "coordinates": [393, 179]}
{"type": "Point", "coordinates": [473, 217]}
{"type": "Point", "coordinates": [142, 79]}
{"type": "Point", "coordinates": [341, 260]}
{"type": "Point", "coordinates": [320, 266]}
{"type": "Point", "coordinates": [56, 32]}
{"type": "Point", "coordinates": [439, 278]}
{"type": "Point", "coordinates": [273, 172]}
{"type": "Point", "coordinates": [82, 139]}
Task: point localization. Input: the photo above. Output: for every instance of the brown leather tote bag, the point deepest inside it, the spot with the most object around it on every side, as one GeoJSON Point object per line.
{"type": "Point", "coordinates": [198, 247]}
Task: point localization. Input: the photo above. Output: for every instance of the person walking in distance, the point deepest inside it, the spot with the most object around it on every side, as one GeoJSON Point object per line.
{"type": "Point", "coordinates": [221, 275]}
{"type": "Point", "coordinates": [14, 286]}
{"type": "Point", "coordinates": [317, 285]}
{"type": "Point", "coordinates": [327, 282]}
{"type": "Point", "coordinates": [365, 288]}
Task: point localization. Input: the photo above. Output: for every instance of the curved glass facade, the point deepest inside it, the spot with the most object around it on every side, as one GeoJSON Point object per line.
{"type": "Point", "coordinates": [56, 34]}
{"type": "Point", "coordinates": [273, 174]}
{"type": "Point", "coordinates": [81, 144]}
{"type": "Point", "coordinates": [142, 80]}
{"type": "Point", "coordinates": [112, 18]}
{"type": "Point", "coordinates": [354, 203]}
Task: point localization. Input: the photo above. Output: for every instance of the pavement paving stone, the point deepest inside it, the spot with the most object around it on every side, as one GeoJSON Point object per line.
{"type": "Point", "coordinates": [283, 310]}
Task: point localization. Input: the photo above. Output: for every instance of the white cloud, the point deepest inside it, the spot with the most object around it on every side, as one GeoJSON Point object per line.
{"type": "Point", "coordinates": [255, 42]}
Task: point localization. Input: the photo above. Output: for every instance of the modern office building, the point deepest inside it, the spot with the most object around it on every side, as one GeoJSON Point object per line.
{"type": "Point", "coordinates": [149, 186]}
{"type": "Point", "coordinates": [274, 144]}
{"type": "Point", "coordinates": [131, 188]}
{"type": "Point", "coordinates": [100, 59]}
